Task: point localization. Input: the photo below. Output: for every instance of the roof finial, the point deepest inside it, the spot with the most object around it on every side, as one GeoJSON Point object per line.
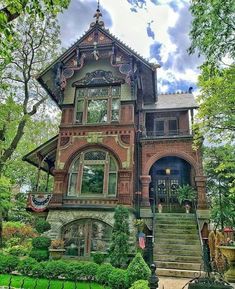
{"type": "Point", "coordinates": [98, 14]}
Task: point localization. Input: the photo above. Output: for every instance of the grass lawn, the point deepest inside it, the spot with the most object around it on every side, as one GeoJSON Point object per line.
{"type": "Point", "coordinates": [43, 283]}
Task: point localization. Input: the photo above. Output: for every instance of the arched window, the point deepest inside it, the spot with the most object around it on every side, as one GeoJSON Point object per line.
{"type": "Point", "coordinates": [93, 172]}
{"type": "Point", "coordinates": [85, 236]}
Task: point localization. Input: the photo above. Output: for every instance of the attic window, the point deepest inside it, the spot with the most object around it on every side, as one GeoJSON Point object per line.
{"type": "Point", "coordinates": [97, 104]}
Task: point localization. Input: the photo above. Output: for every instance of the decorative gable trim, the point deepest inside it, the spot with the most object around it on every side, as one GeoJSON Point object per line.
{"type": "Point", "coordinates": [98, 77]}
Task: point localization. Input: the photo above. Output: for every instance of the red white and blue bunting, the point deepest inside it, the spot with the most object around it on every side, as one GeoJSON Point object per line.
{"type": "Point", "coordinates": [39, 202]}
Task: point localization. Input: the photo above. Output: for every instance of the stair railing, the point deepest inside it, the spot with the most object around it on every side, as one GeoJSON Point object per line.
{"type": "Point", "coordinates": [198, 226]}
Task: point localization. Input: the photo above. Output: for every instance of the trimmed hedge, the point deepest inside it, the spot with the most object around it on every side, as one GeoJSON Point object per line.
{"type": "Point", "coordinates": [138, 269]}
{"type": "Point", "coordinates": [8, 263]}
{"type": "Point", "coordinates": [104, 274]}
{"type": "Point", "coordinates": [140, 284]}
{"type": "Point", "coordinates": [41, 242]}
{"type": "Point", "coordinates": [39, 254]}
{"type": "Point", "coordinates": [42, 226]}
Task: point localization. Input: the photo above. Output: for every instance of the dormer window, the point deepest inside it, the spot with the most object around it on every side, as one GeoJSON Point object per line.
{"type": "Point", "coordinates": [97, 105]}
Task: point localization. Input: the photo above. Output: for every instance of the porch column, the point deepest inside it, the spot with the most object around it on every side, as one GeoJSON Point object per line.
{"type": "Point", "coordinates": [145, 180]}
{"type": "Point", "coordinates": [201, 190]}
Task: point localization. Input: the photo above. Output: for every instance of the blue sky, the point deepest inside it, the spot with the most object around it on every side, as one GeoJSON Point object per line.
{"type": "Point", "coordinates": [157, 29]}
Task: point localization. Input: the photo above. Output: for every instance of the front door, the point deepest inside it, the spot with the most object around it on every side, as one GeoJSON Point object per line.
{"type": "Point", "coordinates": [166, 191]}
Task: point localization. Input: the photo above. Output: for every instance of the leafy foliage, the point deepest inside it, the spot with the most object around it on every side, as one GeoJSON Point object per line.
{"type": "Point", "coordinates": [39, 254]}
{"type": "Point", "coordinates": [119, 248]}
{"type": "Point", "coordinates": [216, 115]}
{"type": "Point", "coordinates": [186, 192]}
{"type": "Point", "coordinates": [140, 284]}
{"type": "Point", "coordinates": [137, 269]}
{"type": "Point", "coordinates": [8, 263]}
{"type": "Point", "coordinates": [42, 226]}
{"type": "Point", "coordinates": [213, 27]}
{"type": "Point", "coordinates": [41, 242]}
{"type": "Point", "coordinates": [219, 163]}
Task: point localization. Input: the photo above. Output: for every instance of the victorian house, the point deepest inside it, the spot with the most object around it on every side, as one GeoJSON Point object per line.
{"type": "Point", "coordinates": [119, 143]}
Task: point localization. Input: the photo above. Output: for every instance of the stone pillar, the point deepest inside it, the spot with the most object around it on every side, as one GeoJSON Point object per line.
{"type": "Point", "coordinates": [201, 190]}
{"type": "Point", "coordinates": [145, 180]}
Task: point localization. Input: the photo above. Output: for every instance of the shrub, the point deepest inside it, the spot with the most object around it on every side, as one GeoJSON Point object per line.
{"type": "Point", "coordinates": [25, 266]}
{"type": "Point", "coordinates": [137, 269]}
{"type": "Point", "coordinates": [13, 230]}
{"type": "Point", "coordinates": [103, 273]}
{"type": "Point", "coordinates": [41, 242]}
{"type": "Point", "coordinates": [38, 270]}
{"type": "Point", "coordinates": [119, 247]}
{"type": "Point", "coordinates": [42, 226]}
{"type": "Point", "coordinates": [39, 254]}
{"type": "Point", "coordinates": [57, 244]}
{"type": "Point", "coordinates": [18, 250]}
{"type": "Point", "coordinates": [75, 271]}
{"type": "Point", "coordinates": [54, 269]}
{"type": "Point", "coordinates": [98, 257]}
{"type": "Point", "coordinates": [90, 270]}
{"type": "Point", "coordinates": [118, 279]}
{"type": "Point", "coordinates": [140, 284]}
{"type": "Point", "coordinates": [8, 263]}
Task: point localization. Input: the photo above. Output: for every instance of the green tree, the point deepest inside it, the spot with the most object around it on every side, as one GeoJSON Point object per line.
{"type": "Point", "coordinates": [22, 96]}
{"type": "Point", "coordinates": [119, 248]}
{"type": "Point", "coordinates": [5, 201]}
{"type": "Point", "coordinates": [219, 163]}
{"type": "Point", "coordinates": [10, 10]}
{"type": "Point", "coordinates": [216, 114]}
{"type": "Point", "coordinates": [213, 29]}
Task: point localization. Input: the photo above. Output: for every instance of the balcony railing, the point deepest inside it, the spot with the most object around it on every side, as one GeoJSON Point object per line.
{"type": "Point", "coordinates": [166, 134]}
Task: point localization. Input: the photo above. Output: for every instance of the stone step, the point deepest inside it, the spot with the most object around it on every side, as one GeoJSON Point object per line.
{"type": "Point", "coordinates": [174, 216]}
{"type": "Point", "coordinates": [178, 226]}
{"type": "Point", "coordinates": [181, 259]}
{"type": "Point", "coordinates": [183, 241]}
{"type": "Point", "coordinates": [178, 235]}
{"type": "Point", "coordinates": [179, 265]}
{"type": "Point", "coordinates": [175, 230]}
{"type": "Point", "coordinates": [175, 221]}
{"type": "Point", "coordinates": [179, 251]}
{"type": "Point", "coordinates": [177, 273]}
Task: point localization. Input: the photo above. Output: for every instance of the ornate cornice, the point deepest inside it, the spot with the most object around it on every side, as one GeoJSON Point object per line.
{"type": "Point", "coordinates": [98, 77]}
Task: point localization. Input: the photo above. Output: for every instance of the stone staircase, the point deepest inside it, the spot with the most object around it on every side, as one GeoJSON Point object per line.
{"type": "Point", "coordinates": [177, 249]}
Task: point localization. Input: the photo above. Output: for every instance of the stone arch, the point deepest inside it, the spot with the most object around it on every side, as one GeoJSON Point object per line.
{"type": "Point", "coordinates": [173, 153]}
{"type": "Point", "coordinates": [85, 147]}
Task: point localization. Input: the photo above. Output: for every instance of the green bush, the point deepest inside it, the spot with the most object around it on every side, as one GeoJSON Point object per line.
{"type": "Point", "coordinates": [137, 269]}
{"type": "Point", "coordinates": [39, 254]}
{"type": "Point", "coordinates": [90, 270]}
{"type": "Point", "coordinates": [42, 226]}
{"type": "Point", "coordinates": [99, 257]}
{"type": "Point", "coordinates": [41, 242]}
{"type": "Point", "coordinates": [118, 279]}
{"type": "Point", "coordinates": [54, 269]}
{"type": "Point", "coordinates": [103, 273]}
{"type": "Point", "coordinates": [74, 271]}
{"type": "Point", "coordinates": [140, 284]}
{"type": "Point", "coordinates": [8, 263]}
{"type": "Point", "coordinates": [38, 270]}
{"type": "Point", "coordinates": [17, 250]}
{"type": "Point", "coordinates": [25, 266]}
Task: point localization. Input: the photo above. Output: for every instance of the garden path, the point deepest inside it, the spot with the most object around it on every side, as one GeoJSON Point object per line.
{"type": "Point", "coordinates": [174, 283]}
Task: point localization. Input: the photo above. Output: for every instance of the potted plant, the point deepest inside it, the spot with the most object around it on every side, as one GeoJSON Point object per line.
{"type": "Point", "coordinates": [186, 195]}
{"type": "Point", "coordinates": [57, 249]}
{"type": "Point", "coordinates": [228, 250]}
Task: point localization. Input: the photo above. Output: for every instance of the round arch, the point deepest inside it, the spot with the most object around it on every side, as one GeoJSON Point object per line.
{"type": "Point", "coordinates": [85, 235]}
{"type": "Point", "coordinates": [86, 147]}
{"type": "Point", "coordinates": [172, 153]}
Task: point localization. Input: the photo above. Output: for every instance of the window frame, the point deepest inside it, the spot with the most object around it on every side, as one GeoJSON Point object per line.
{"type": "Point", "coordinates": [87, 97]}
{"type": "Point", "coordinates": [79, 175]}
{"type": "Point", "coordinates": [166, 130]}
